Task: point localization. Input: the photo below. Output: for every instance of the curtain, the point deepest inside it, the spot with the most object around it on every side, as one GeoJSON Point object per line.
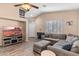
{"type": "Point", "coordinates": [54, 26]}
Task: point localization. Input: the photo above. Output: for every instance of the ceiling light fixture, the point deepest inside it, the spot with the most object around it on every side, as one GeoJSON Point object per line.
{"type": "Point", "coordinates": [26, 7]}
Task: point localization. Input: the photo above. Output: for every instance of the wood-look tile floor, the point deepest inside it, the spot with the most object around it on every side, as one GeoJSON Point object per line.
{"type": "Point", "coordinates": [21, 49]}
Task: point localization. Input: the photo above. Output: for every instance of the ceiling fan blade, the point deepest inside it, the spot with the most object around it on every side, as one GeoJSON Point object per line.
{"type": "Point", "coordinates": [27, 4]}
{"type": "Point", "coordinates": [18, 5]}
{"type": "Point", "coordinates": [32, 5]}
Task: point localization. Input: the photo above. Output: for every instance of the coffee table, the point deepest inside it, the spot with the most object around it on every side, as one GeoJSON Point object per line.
{"type": "Point", "coordinates": [47, 53]}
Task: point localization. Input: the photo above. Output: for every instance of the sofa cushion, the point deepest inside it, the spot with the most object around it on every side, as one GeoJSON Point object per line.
{"type": "Point", "coordinates": [56, 36]}
{"type": "Point", "coordinates": [46, 35]}
{"type": "Point", "coordinates": [60, 44]}
{"type": "Point", "coordinates": [75, 49]}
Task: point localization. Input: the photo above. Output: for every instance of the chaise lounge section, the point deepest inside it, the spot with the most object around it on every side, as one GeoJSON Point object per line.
{"type": "Point", "coordinates": [61, 52]}
{"type": "Point", "coordinates": [68, 43]}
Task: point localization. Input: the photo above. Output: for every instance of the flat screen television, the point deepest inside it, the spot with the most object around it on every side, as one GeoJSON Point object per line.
{"type": "Point", "coordinates": [12, 31]}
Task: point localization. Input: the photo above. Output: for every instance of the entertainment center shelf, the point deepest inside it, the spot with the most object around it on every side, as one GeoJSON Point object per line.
{"type": "Point", "coordinates": [12, 40]}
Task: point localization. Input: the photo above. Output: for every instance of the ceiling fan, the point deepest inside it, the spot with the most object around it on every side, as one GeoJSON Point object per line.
{"type": "Point", "coordinates": [26, 6]}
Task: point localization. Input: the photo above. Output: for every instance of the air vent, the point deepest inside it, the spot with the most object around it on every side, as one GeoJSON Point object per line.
{"type": "Point", "coordinates": [22, 13]}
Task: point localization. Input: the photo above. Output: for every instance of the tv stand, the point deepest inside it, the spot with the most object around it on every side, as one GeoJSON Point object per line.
{"type": "Point", "coordinates": [12, 36]}
{"type": "Point", "coordinates": [12, 40]}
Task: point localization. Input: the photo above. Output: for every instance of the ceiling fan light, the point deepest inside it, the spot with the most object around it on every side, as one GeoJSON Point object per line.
{"type": "Point", "coordinates": [27, 7]}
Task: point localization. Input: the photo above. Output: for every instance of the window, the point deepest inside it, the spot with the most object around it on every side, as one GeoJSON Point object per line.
{"type": "Point", "coordinates": [54, 26]}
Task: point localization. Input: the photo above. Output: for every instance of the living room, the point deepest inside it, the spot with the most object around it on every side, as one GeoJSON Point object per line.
{"type": "Point", "coordinates": [39, 29]}
{"type": "Point", "coordinates": [69, 27]}
{"type": "Point", "coordinates": [65, 22]}
{"type": "Point", "coordinates": [52, 26]}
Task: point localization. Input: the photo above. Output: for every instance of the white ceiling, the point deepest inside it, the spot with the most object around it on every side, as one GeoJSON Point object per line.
{"type": "Point", "coordinates": [51, 7]}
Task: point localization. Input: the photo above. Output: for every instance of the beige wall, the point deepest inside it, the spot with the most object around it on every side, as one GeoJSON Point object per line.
{"type": "Point", "coordinates": [39, 24]}
{"type": "Point", "coordinates": [7, 10]}
{"type": "Point", "coordinates": [72, 15]}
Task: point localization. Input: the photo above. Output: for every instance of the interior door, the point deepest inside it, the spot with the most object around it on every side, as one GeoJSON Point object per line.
{"type": "Point", "coordinates": [32, 29]}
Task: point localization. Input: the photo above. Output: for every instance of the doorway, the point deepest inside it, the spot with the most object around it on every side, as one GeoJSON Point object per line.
{"type": "Point", "coordinates": [32, 29]}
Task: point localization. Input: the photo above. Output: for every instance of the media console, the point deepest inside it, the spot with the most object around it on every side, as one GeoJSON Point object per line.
{"type": "Point", "coordinates": [12, 36]}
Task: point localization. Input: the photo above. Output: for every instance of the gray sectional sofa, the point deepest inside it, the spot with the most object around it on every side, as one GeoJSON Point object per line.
{"type": "Point", "coordinates": [57, 47]}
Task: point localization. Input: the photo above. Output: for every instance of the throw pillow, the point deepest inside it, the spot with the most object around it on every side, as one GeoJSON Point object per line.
{"type": "Point", "coordinates": [71, 39]}
{"type": "Point", "coordinates": [67, 47]}
{"type": "Point", "coordinates": [75, 47]}
{"type": "Point", "coordinates": [76, 44]}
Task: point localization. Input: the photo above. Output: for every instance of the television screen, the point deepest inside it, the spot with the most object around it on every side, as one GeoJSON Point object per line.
{"type": "Point", "coordinates": [12, 31]}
